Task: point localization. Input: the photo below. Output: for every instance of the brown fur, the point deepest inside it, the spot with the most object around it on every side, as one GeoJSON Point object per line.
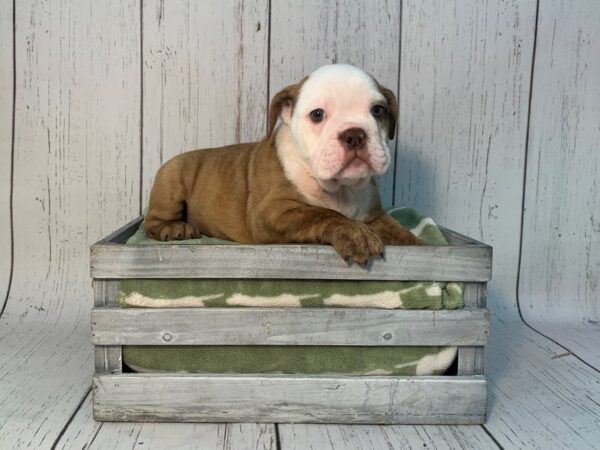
{"type": "Point", "coordinates": [240, 193]}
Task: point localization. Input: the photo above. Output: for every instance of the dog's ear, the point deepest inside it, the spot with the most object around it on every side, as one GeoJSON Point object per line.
{"type": "Point", "coordinates": [283, 103]}
{"type": "Point", "coordinates": [392, 105]}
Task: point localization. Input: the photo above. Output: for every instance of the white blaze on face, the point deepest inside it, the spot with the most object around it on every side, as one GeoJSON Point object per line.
{"type": "Point", "coordinates": [346, 95]}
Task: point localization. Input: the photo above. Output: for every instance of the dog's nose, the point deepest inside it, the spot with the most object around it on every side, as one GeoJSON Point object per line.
{"type": "Point", "coordinates": [353, 138]}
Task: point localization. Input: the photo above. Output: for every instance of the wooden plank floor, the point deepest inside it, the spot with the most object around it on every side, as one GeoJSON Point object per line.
{"type": "Point", "coordinates": [44, 375]}
{"type": "Point", "coordinates": [541, 396]}
{"type": "Point", "coordinates": [581, 336]}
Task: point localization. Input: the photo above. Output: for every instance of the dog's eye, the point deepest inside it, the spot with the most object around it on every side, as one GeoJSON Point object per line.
{"type": "Point", "coordinates": [317, 115]}
{"type": "Point", "coordinates": [378, 111]}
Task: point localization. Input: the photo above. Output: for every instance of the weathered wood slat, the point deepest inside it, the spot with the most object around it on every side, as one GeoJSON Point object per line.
{"type": "Point", "coordinates": [123, 233]}
{"type": "Point", "coordinates": [105, 292]}
{"type": "Point", "coordinates": [532, 383]}
{"type": "Point", "coordinates": [449, 263]}
{"type": "Point", "coordinates": [107, 358]}
{"type": "Point", "coordinates": [288, 326]}
{"type": "Point", "coordinates": [471, 359]}
{"type": "Point", "coordinates": [456, 238]}
{"type": "Point", "coordinates": [84, 432]}
{"type": "Point", "coordinates": [230, 398]}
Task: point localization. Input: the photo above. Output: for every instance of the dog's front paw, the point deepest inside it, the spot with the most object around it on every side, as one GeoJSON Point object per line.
{"type": "Point", "coordinates": [356, 242]}
{"type": "Point", "coordinates": [176, 231]}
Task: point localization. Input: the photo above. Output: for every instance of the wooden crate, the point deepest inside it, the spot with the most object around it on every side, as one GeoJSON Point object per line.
{"type": "Point", "coordinates": [120, 396]}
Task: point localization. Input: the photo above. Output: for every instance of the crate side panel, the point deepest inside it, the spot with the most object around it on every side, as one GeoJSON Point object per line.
{"type": "Point", "coordinates": [448, 263]}
{"type": "Point", "coordinates": [288, 326]}
{"type": "Point", "coordinates": [285, 399]}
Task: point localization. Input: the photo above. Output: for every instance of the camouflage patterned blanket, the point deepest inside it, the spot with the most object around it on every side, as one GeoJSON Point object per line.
{"type": "Point", "coordinates": [294, 294]}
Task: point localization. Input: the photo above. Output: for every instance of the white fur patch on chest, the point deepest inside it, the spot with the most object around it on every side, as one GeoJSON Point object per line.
{"type": "Point", "coordinates": [354, 203]}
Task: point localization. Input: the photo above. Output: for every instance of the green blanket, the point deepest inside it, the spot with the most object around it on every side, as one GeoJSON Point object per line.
{"type": "Point", "coordinates": [293, 293]}
{"type": "Point", "coordinates": [296, 293]}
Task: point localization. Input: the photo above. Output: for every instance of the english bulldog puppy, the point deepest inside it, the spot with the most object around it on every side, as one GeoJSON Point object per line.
{"type": "Point", "coordinates": [310, 180]}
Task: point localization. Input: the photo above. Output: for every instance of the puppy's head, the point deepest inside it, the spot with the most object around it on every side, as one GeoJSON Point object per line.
{"type": "Point", "coordinates": [340, 119]}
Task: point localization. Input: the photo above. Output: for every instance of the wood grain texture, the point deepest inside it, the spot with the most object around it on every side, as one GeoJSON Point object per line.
{"type": "Point", "coordinates": [123, 233]}
{"type": "Point", "coordinates": [456, 238]}
{"type": "Point", "coordinates": [107, 358]}
{"type": "Point", "coordinates": [204, 75]}
{"type": "Point", "coordinates": [45, 372]}
{"type": "Point", "coordinates": [471, 359]}
{"type": "Point", "coordinates": [286, 398]}
{"type": "Point", "coordinates": [560, 267]}
{"type": "Point", "coordinates": [375, 437]}
{"type": "Point", "coordinates": [540, 396]}
{"type": "Point", "coordinates": [85, 433]}
{"type": "Point", "coordinates": [82, 430]}
{"type": "Point", "coordinates": [76, 147]}
{"type": "Point", "coordinates": [183, 436]}
{"type": "Point", "coordinates": [464, 86]}
{"type": "Point", "coordinates": [76, 176]}
{"type": "Point", "coordinates": [580, 337]}
{"type": "Point", "coordinates": [6, 117]}
{"type": "Point", "coordinates": [306, 35]}
{"type": "Point", "coordinates": [288, 326]}
{"type": "Point", "coordinates": [427, 263]}
{"type": "Point", "coordinates": [105, 292]}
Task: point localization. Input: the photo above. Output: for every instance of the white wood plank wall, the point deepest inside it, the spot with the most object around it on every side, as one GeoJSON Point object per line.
{"type": "Point", "coordinates": [464, 88]}
{"type": "Point", "coordinates": [205, 73]}
{"type": "Point", "coordinates": [560, 266]}
{"type": "Point", "coordinates": [76, 177]}
{"type": "Point", "coordinates": [6, 116]}
{"type": "Point", "coordinates": [498, 138]}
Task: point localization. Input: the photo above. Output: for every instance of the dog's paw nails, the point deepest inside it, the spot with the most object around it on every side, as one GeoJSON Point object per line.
{"type": "Point", "coordinates": [356, 243]}
{"type": "Point", "coordinates": [178, 231]}
{"type": "Point", "coordinates": [361, 260]}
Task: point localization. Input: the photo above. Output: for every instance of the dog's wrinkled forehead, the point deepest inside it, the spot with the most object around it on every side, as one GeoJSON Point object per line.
{"type": "Point", "coordinates": [341, 84]}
